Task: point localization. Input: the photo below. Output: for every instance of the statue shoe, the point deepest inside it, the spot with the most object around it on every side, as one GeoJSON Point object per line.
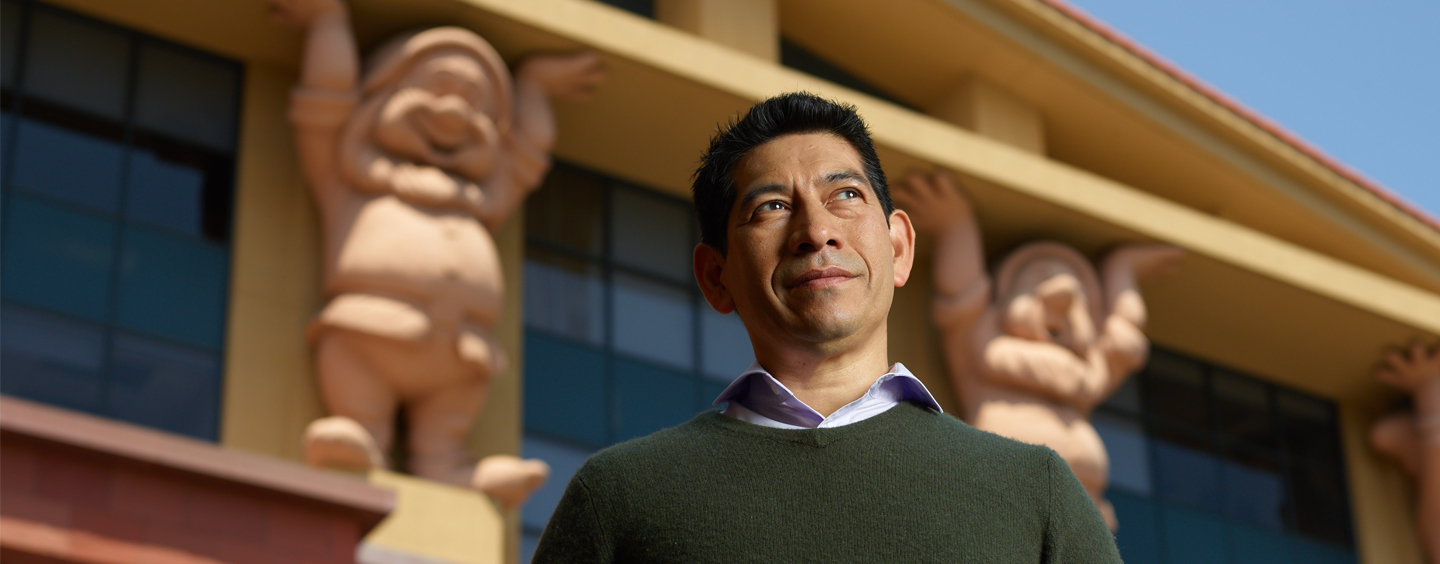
{"type": "Point", "coordinates": [341, 443]}
{"type": "Point", "coordinates": [508, 479]}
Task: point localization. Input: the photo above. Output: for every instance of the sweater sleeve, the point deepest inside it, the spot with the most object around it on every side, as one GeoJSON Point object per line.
{"type": "Point", "coordinates": [576, 532]}
{"type": "Point", "coordinates": [1075, 531]}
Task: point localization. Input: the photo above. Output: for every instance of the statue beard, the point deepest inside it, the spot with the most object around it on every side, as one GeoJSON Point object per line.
{"type": "Point", "coordinates": [395, 129]}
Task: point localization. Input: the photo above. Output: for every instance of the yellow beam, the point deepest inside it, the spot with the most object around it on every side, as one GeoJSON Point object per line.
{"type": "Point", "coordinates": [931, 140]}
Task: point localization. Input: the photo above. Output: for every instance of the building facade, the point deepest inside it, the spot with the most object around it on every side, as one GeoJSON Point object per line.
{"type": "Point", "coordinates": [161, 253]}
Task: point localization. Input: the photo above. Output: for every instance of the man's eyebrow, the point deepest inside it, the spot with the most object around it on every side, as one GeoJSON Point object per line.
{"type": "Point", "coordinates": [843, 175]}
{"type": "Point", "coordinates": [761, 190]}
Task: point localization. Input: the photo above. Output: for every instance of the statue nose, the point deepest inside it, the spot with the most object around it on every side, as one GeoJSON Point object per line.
{"type": "Point", "coordinates": [1059, 292]}
{"type": "Point", "coordinates": [449, 121]}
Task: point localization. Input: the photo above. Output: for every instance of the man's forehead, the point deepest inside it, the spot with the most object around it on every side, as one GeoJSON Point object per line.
{"type": "Point", "coordinates": [821, 157]}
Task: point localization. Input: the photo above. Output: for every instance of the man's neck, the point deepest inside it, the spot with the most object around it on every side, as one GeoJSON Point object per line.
{"type": "Point", "coordinates": [827, 381]}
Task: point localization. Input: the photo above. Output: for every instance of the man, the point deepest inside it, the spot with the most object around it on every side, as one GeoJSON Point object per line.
{"type": "Point", "coordinates": [822, 453]}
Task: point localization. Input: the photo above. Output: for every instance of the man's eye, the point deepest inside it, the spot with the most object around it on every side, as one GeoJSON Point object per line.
{"type": "Point", "coordinates": [772, 206]}
{"type": "Point", "coordinates": [847, 194]}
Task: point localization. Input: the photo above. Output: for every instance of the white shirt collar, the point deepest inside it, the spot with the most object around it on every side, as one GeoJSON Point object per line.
{"type": "Point", "coordinates": [757, 397]}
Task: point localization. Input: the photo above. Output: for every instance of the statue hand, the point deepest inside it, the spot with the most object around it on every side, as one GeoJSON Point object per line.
{"type": "Point", "coordinates": [933, 201]}
{"type": "Point", "coordinates": [302, 13]}
{"type": "Point", "coordinates": [573, 76]}
{"type": "Point", "coordinates": [1149, 260]}
{"type": "Point", "coordinates": [1411, 370]}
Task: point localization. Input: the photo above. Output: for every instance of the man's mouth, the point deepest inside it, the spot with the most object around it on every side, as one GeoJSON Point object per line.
{"type": "Point", "coordinates": [820, 278]}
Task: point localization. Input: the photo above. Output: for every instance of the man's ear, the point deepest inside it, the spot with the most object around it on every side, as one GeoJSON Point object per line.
{"type": "Point", "coordinates": [902, 239]}
{"type": "Point", "coordinates": [709, 271]}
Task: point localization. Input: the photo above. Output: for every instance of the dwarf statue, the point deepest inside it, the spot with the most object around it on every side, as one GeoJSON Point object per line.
{"type": "Point", "coordinates": [1032, 353]}
{"type": "Point", "coordinates": [412, 166]}
{"type": "Point", "coordinates": [1413, 438]}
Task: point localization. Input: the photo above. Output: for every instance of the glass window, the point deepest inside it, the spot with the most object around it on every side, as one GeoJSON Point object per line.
{"type": "Point", "coordinates": [79, 164]}
{"type": "Point", "coordinates": [186, 95]}
{"type": "Point", "coordinates": [568, 211]}
{"type": "Point", "coordinates": [158, 385]}
{"type": "Point", "coordinates": [1127, 398]}
{"type": "Point", "coordinates": [1187, 475]}
{"type": "Point", "coordinates": [58, 259]}
{"type": "Point", "coordinates": [565, 296]}
{"type": "Point", "coordinates": [1139, 535]}
{"type": "Point", "coordinates": [179, 187]}
{"type": "Point", "coordinates": [653, 321]}
{"type": "Point", "coordinates": [173, 287]}
{"type": "Point", "coordinates": [565, 390]}
{"type": "Point", "coordinates": [1243, 409]}
{"type": "Point", "coordinates": [77, 63]}
{"type": "Point", "coordinates": [1254, 489]}
{"type": "Point", "coordinates": [725, 349]}
{"type": "Point", "coordinates": [9, 41]}
{"type": "Point", "coordinates": [1309, 428]}
{"type": "Point", "coordinates": [117, 201]}
{"type": "Point", "coordinates": [649, 398]}
{"type": "Point", "coordinates": [652, 233]}
{"type": "Point", "coordinates": [1129, 452]}
{"type": "Point", "coordinates": [1229, 453]}
{"type": "Point", "coordinates": [1175, 390]}
{"type": "Point", "coordinates": [51, 359]}
{"type": "Point", "coordinates": [1193, 537]}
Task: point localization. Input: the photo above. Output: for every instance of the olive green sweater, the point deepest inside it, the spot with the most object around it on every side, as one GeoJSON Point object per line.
{"type": "Point", "coordinates": [907, 485]}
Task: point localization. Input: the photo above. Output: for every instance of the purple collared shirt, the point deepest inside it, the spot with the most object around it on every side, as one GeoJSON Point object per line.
{"type": "Point", "coordinates": [757, 397]}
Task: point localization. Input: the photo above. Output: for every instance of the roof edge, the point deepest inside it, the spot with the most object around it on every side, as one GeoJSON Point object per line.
{"type": "Point", "coordinates": [1250, 115]}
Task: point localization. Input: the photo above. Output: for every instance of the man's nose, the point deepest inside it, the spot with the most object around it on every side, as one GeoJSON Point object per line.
{"type": "Point", "coordinates": [813, 230]}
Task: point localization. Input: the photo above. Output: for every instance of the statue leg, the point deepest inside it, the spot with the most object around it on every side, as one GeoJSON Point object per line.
{"type": "Point", "coordinates": [361, 404]}
{"type": "Point", "coordinates": [439, 425]}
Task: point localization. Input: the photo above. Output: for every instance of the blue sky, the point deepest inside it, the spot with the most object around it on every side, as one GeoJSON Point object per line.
{"type": "Point", "coordinates": [1360, 80]}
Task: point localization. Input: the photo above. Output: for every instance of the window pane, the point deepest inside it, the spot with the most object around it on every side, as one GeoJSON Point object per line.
{"type": "Point", "coordinates": [1193, 538]}
{"type": "Point", "coordinates": [167, 387]}
{"type": "Point", "coordinates": [652, 233]}
{"type": "Point", "coordinates": [650, 398]}
{"type": "Point", "coordinates": [9, 41]}
{"type": "Point", "coordinates": [51, 359]}
{"type": "Point", "coordinates": [1319, 495]}
{"type": "Point", "coordinates": [1129, 452]}
{"type": "Point", "coordinates": [77, 63]}
{"type": "Point", "coordinates": [173, 287]}
{"type": "Point", "coordinates": [565, 297]}
{"type": "Point", "coordinates": [725, 346]}
{"type": "Point", "coordinates": [568, 210]}
{"type": "Point", "coordinates": [179, 187]}
{"type": "Point", "coordinates": [1243, 406]}
{"type": "Point", "coordinates": [1309, 428]}
{"type": "Point", "coordinates": [1261, 546]}
{"type": "Point", "coordinates": [564, 461]}
{"type": "Point", "coordinates": [653, 321]}
{"type": "Point", "coordinates": [1254, 491]}
{"type": "Point", "coordinates": [1187, 475]}
{"type": "Point", "coordinates": [1139, 535]}
{"type": "Point", "coordinates": [58, 259]}
{"type": "Point", "coordinates": [565, 389]}
{"type": "Point", "coordinates": [75, 163]}
{"type": "Point", "coordinates": [1127, 397]}
{"type": "Point", "coordinates": [1175, 390]}
{"type": "Point", "coordinates": [1311, 552]}
{"type": "Point", "coordinates": [188, 96]}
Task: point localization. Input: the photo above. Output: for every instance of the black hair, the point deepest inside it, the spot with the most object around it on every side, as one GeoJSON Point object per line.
{"type": "Point", "coordinates": [795, 112]}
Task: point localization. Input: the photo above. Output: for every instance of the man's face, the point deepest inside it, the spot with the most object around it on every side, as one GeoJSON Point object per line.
{"type": "Point", "coordinates": [811, 257]}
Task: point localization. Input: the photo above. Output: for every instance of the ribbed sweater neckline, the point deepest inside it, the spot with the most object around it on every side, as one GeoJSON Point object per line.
{"type": "Point", "coordinates": [819, 437]}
